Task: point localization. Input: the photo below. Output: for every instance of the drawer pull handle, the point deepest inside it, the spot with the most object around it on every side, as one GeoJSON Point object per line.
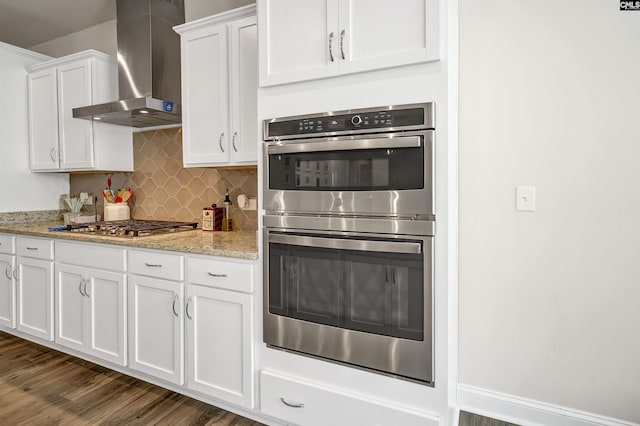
{"type": "Point", "coordinates": [80, 287]}
{"type": "Point", "coordinates": [32, 248]}
{"type": "Point", "coordinates": [342, 43]}
{"type": "Point", "coordinates": [153, 265]}
{"type": "Point", "coordinates": [86, 293]}
{"type": "Point", "coordinates": [186, 308]}
{"type": "Point", "coordinates": [292, 404]}
{"type": "Point", "coordinates": [175, 299]}
{"type": "Point", "coordinates": [211, 274]}
{"type": "Point", "coordinates": [7, 272]}
{"type": "Point", "coordinates": [15, 274]}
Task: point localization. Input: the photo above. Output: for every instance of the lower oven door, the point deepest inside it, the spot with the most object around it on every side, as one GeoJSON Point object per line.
{"type": "Point", "coordinates": [364, 300]}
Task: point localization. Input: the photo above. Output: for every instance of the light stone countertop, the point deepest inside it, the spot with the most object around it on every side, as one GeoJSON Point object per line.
{"type": "Point", "coordinates": [235, 244]}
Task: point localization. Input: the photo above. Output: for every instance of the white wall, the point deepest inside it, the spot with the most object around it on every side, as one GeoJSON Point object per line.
{"type": "Point", "coordinates": [195, 9]}
{"type": "Point", "coordinates": [103, 37]}
{"type": "Point", "coordinates": [100, 37]}
{"type": "Point", "coordinates": [22, 190]}
{"type": "Point", "coordinates": [550, 300]}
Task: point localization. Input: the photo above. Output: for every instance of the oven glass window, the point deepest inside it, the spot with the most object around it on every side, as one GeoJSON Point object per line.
{"type": "Point", "coordinates": [356, 170]}
{"type": "Point", "coordinates": [381, 293]}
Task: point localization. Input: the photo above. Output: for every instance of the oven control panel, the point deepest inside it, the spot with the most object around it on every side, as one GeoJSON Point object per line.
{"type": "Point", "coordinates": [350, 122]}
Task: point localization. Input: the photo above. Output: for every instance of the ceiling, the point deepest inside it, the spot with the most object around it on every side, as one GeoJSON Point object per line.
{"type": "Point", "coordinates": [26, 23]}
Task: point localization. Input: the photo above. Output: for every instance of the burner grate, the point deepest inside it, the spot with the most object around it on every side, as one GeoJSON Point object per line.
{"type": "Point", "coordinates": [133, 228]}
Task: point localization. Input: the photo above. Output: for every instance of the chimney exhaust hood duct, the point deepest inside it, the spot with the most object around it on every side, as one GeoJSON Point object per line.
{"type": "Point", "coordinates": [148, 66]}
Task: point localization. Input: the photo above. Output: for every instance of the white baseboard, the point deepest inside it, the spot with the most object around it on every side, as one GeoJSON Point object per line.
{"type": "Point", "coordinates": [527, 412]}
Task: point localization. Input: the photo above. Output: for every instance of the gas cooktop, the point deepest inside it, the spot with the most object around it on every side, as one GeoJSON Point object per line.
{"type": "Point", "coordinates": [131, 228]}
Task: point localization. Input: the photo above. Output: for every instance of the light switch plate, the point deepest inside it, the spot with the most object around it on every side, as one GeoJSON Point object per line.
{"type": "Point", "coordinates": [525, 198]}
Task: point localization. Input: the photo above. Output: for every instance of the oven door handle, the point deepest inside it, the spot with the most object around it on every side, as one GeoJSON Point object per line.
{"type": "Point", "coordinates": [347, 244]}
{"type": "Point", "coordinates": [347, 145]}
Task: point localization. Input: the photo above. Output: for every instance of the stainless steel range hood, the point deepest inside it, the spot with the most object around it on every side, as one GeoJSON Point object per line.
{"type": "Point", "coordinates": [148, 66]}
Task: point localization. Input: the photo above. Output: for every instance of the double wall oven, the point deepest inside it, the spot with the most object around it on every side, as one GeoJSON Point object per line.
{"type": "Point", "coordinates": [348, 237]}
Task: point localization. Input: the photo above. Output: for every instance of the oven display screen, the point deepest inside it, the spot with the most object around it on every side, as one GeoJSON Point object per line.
{"type": "Point", "coordinates": [336, 123]}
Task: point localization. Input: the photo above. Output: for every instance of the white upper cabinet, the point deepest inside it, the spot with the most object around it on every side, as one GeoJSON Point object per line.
{"type": "Point", "coordinates": [43, 120]}
{"type": "Point", "coordinates": [219, 89]}
{"type": "Point", "coordinates": [323, 38]}
{"type": "Point", "coordinates": [59, 142]}
{"type": "Point", "coordinates": [243, 82]}
{"type": "Point", "coordinates": [74, 89]}
{"type": "Point", "coordinates": [205, 96]}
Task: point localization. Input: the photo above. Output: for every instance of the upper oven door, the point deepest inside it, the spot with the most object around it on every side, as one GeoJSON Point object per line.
{"type": "Point", "coordinates": [389, 174]}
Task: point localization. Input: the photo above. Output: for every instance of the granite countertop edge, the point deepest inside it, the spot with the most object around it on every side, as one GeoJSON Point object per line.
{"type": "Point", "coordinates": [235, 244]}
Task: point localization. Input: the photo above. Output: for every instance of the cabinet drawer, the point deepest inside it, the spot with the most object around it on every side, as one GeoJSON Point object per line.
{"type": "Point", "coordinates": [35, 247]}
{"type": "Point", "coordinates": [159, 265]}
{"type": "Point", "coordinates": [91, 256]}
{"type": "Point", "coordinates": [220, 273]}
{"type": "Point", "coordinates": [302, 403]}
{"type": "Point", "coordinates": [7, 244]}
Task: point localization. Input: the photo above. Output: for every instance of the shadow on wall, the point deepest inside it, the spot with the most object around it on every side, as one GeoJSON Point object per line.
{"type": "Point", "coordinates": [164, 190]}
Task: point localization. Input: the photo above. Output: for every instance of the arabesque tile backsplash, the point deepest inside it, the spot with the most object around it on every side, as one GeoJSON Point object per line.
{"type": "Point", "coordinates": [164, 190]}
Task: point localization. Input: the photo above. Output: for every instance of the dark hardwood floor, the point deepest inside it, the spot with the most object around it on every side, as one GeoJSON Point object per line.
{"type": "Point", "coordinates": [41, 386]}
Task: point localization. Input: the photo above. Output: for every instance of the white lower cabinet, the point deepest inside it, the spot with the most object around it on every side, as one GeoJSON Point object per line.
{"type": "Point", "coordinates": [35, 287]}
{"type": "Point", "coordinates": [156, 327]}
{"type": "Point", "coordinates": [186, 320]}
{"type": "Point", "coordinates": [8, 275]}
{"type": "Point", "coordinates": [90, 300]}
{"type": "Point", "coordinates": [219, 336]}
{"type": "Point", "coordinates": [308, 404]}
{"type": "Point", "coordinates": [90, 311]}
{"type": "Point", "coordinates": [219, 323]}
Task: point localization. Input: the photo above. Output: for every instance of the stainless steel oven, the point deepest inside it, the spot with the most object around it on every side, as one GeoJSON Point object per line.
{"type": "Point", "coordinates": [348, 238]}
{"type": "Point", "coordinates": [369, 162]}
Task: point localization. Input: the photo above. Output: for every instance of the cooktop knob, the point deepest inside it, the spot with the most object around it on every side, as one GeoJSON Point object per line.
{"type": "Point", "coordinates": [356, 120]}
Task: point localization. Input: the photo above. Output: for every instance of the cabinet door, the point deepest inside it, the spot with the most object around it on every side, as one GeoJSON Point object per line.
{"type": "Point", "coordinates": [156, 327]}
{"type": "Point", "coordinates": [205, 96]}
{"type": "Point", "coordinates": [220, 330]}
{"type": "Point", "coordinates": [76, 136]}
{"type": "Point", "coordinates": [34, 297]}
{"type": "Point", "coordinates": [377, 34]}
{"type": "Point", "coordinates": [244, 90]}
{"type": "Point", "coordinates": [70, 306]}
{"type": "Point", "coordinates": [43, 120]}
{"type": "Point", "coordinates": [298, 40]}
{"type": "Point", "coordinates": [7, 291]}
{"type": "Point", "coordinates": [106, 319]}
